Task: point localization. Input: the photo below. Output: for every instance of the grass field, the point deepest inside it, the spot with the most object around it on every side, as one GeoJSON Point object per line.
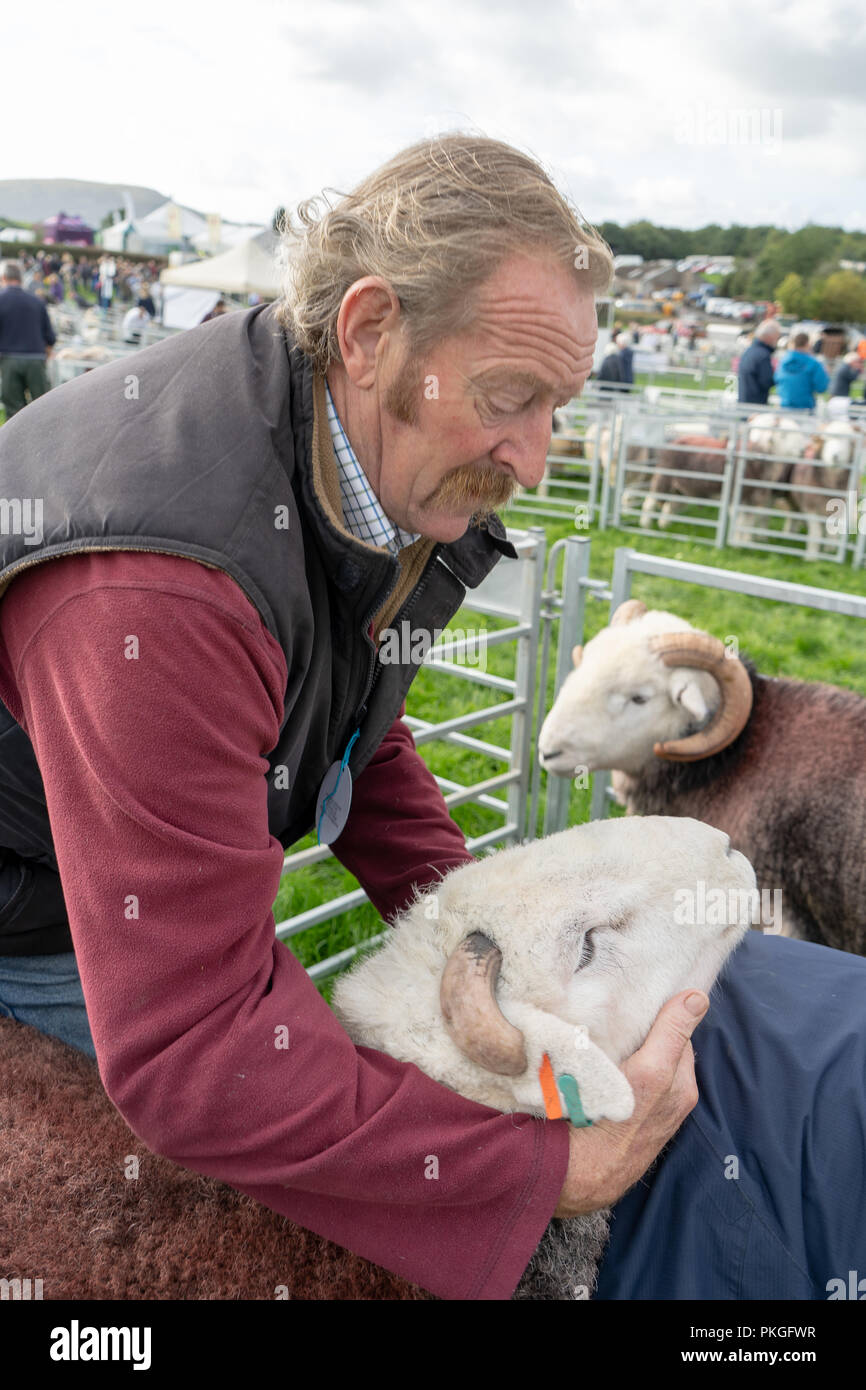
{"type": "Point", "coordinates": [782, 640]}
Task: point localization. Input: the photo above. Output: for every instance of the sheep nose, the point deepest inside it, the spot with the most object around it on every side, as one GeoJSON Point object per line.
{"type": "Point", "coordinates": [547, 755]}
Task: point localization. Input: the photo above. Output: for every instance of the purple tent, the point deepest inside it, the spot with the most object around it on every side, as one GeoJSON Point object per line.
{"type": "Point", "coordinates": [71, 231]}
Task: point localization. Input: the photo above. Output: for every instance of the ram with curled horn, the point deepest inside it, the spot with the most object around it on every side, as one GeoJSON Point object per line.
{"type": "Point", "coordinates": [690, 729]}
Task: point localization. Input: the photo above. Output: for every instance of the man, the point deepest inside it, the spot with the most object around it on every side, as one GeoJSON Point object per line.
{"type": "Point", "coordinates": [217, 311]}
{"type": "Point", "coordinates": [845, 375]}
{"type": "Point", "coordinates": [224, 542]}
{"type": "Point", "coordinates": [107, 276]}
{"type": "Point", "coordinates": [26, 339]}
{"type": "Point", "coordinates": [755, 374]}
{"type": "Point", "coordinates": [626, 358]}
{"type": "Point", "coordinates": [145, 301]}
{"type": "Point", "coordinates": [799, 376]}
{"type": "Point", "coordinates": [135, 320]}
{"type": "Point", "coordinates": [177, 766]}
{"type": "Point", "coordinates": [610, 370]}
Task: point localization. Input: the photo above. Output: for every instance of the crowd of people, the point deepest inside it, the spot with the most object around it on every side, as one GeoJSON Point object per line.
{"type": "Point", "coordinates": [798, 374]}
{"type": "Point", "coordinates": [796, 370]}
{"type": "Point", "coordinates": [59, 275]}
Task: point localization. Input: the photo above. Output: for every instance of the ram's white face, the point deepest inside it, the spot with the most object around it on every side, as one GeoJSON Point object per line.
{"type": "Point", "coordinates": [622, 699]}
{"type": "Point", "coordinates": [595, 933]}
{"type": "Point", "coordinates": [604, 910]}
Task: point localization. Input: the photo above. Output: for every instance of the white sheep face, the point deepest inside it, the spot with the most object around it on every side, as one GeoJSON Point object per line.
{"type": "Point", "coordinates": [622, 699]}
{"type": "Point", "coordinates": [587, 923]}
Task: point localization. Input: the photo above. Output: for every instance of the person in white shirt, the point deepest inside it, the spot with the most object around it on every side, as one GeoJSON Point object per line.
{"type": "Point", "coordinates": [134, 322]}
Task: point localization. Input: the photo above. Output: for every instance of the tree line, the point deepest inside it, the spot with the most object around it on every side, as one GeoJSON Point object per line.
{"type": "Point", "coordinates": [800, 270]}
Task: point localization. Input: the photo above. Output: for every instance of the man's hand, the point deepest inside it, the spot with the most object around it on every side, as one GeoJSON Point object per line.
{"type": "Point", "coordinates": [607, 1159]}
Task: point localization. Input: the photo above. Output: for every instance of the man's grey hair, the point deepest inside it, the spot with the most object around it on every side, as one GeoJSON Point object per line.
{"type": "Point", "coordinates": [11, 270]}
{"type": "Point", "coordinates": [434, 222]}
{"type": "Point", "coordinates": [623, 340]}
{"type": "Point", "coordinates": [767, 329]}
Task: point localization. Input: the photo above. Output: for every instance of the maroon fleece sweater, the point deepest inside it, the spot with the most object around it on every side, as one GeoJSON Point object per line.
{"type": "Point", "coordinates": [152, 691]}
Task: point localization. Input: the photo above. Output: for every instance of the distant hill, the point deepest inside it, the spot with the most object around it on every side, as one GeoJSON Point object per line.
{"type": "Point", "coordinates": [31, 200]}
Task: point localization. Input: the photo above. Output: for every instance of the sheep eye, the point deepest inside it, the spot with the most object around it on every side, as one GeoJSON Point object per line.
{"type": "Point", "coordinates": [587, 951]}
{"type": "Point", "coordinates": [639, 699]}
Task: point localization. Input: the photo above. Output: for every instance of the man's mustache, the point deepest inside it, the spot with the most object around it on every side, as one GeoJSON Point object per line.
{"type": "Point", "coordinates": [476, 485]}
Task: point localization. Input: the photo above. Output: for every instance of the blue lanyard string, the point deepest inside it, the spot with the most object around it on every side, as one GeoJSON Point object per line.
{"type": "Point", "coordinates": [345, 759]}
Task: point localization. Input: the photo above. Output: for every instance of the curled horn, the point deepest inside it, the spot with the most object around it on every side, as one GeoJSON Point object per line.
{"type": "Point", "coordinates": [627, 612]}
{"type": "Point", "coordinates": [706, 653]}
{"type": "Point", "coordinates": [472, 1015]}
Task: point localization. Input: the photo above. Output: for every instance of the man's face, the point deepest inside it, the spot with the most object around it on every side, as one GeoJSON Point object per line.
{"type": "Point", "coordinates": [462, 426]}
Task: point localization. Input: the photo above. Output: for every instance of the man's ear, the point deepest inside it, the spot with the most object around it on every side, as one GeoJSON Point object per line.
{"type": "Point", "coordinates": [369, 312]}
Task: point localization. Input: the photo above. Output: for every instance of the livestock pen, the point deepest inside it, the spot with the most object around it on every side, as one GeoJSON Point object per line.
{"type": "Point", "coordinates": [633, 461]}
{"type": "Point", "coordinates": [812, 644]}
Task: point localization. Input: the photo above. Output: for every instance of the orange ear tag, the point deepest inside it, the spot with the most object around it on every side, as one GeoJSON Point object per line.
{"type": "Point", "coordinates": [552, 1103]}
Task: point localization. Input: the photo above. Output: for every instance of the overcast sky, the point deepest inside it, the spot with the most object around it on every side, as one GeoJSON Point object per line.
{"type": "Point", "coordinates": [749, 111]}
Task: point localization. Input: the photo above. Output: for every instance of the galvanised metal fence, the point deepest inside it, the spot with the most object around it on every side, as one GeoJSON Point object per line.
{"type": "Point", "coordinates": [543, 597]}
{"type": "Point", "coordinates": [513, 592]}
{"type": "Point", "coordinates": [745, 491]}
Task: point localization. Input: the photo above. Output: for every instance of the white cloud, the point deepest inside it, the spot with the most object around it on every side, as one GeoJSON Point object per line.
{"type": "Point", "coordinates": [238, 108]}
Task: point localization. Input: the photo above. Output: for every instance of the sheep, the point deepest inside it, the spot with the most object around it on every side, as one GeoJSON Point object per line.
{"type": "Point", "coordinates": [567, 947]}
{"type": "Point", "coordinates": [556, 910]}
{"type": "Point", "coordinates": [604, 441]}
{"type": "Point", "coordinates": [773, 444]}
{"type": "Point", "coordinates": [692, 453]}
{"type": "Point", "coordinates": [827, 464]}
{"type": "Point", "coordinates": [73, 1215]}
{"type": "Point", "coordinates": [778, 764]}
{"type": "Point", "coordinates": [770, 473]}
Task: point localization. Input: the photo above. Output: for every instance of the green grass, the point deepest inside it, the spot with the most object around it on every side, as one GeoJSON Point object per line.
{"type": "Point", "coordinates": [714, 381]}
{"type": "Point", "coordinates": [782, 640]}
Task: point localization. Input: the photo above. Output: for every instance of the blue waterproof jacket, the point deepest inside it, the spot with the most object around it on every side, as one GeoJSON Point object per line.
{"type": "Point", "coordinates": [798, 377]}
{"type": "Point", "coordinates": [761, 1194]}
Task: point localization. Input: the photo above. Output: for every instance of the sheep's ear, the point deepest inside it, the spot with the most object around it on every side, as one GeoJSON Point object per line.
{"type": "Point", "coordinates": [604, 1090]}
{"type": "Point", "coordinates": [576, 654]}
{"type": "Point", "coordinates": [689, 694]}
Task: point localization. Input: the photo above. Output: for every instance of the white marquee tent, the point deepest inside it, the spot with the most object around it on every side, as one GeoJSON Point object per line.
{"type": "Point", "coordinates": [245, 269]}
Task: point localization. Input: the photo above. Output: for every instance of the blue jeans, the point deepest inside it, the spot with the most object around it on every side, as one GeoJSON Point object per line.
{"type": "Point", "coordinates": [45, 991]}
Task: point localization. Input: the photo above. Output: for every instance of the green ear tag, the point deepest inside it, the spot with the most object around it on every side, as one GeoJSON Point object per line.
{"type": "Point", "coordinates": [571, 1096]}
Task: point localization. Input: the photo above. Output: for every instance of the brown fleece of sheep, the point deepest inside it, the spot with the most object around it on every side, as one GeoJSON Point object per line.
{"type": "Point", "coordinates": [789, 792]}
{"type": "Point", "coordinates": [70, 1217]}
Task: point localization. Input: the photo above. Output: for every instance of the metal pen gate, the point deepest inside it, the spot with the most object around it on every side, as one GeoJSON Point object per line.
{"type": "Point", "coordinates": [605, 468]}
{"type": "Point", "coordinates": [511, 592]}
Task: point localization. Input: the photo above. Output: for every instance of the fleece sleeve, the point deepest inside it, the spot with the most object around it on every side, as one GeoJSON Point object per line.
{"type": "Point", "coordinates": [396, 803]}
{"type": "Point", "coordinates": [151, 692]}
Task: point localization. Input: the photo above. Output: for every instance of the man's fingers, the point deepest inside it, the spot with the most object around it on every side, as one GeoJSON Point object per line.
{"type": "Point", "coordinates": [659, 1058]}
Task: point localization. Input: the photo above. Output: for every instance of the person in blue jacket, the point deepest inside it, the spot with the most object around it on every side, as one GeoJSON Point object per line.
{"type": "Point", "coordinates": [799, 376]}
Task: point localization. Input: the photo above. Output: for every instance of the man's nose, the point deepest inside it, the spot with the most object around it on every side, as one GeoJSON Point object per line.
{"type": "Point", "coordinates": [525, 447]}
